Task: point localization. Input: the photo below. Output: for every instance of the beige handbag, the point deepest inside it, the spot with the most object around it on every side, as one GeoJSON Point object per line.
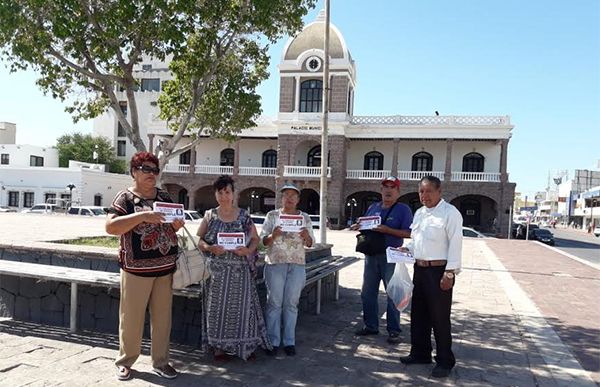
{"type": "Point", "coordinates": [192, 266]}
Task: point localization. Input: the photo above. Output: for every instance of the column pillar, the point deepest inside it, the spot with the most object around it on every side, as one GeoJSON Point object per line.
{"type": "Point", "coordinates": [236, 159]}
{"type": "Point", "coordinates": [151, 142]}
{"type": "Point", "coordinates": [448, 169]}
{"type": "Point", "coordinates": [192, 162]}
{"type": "Point", "coordinates": [192, 199]}
{"type": "Point", "coordinates": [503, 160]}
{"type": "Point", "coordinates": [395, 157]}
{"type": "Point", "coordinates": [297, 94]}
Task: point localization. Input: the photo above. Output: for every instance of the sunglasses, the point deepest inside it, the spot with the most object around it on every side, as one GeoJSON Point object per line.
{"type": "Point", "coordinates": [148, 169]}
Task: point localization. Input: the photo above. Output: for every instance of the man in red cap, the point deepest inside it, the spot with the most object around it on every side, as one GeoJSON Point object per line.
{"type": "Point", "coordinates": [395, 225]}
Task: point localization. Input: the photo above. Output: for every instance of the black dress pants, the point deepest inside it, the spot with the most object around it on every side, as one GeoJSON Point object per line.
{"type": "Point", "coordinates": [431, 310]}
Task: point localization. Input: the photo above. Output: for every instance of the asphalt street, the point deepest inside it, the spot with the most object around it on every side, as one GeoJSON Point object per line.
{"type": "Point", "coordinates": [578, 243]}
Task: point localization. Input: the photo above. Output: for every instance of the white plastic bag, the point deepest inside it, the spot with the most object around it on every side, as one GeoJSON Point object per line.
{"type": "Point", "coordinates": [400, 287]}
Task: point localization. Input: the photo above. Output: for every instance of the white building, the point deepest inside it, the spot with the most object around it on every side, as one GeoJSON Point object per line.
{"type": "Point", "coordinates": [30, 174]}
{"type": "Point", "coordinates": [22, 187]}
{"type": "Point", "coordinates": [8, 133]}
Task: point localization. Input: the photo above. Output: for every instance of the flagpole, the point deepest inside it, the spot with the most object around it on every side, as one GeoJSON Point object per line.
{"type": "Point", "coordinates": [324, 135]}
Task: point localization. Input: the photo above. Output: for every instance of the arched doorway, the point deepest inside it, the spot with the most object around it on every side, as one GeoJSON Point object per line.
{"type": "Point", "coordinates": [478, 211]}
{"type": "Point", "coordinates": [309, 201]}
{"type": "Point", "coordinates": [357, 204]}
{"type": "Point", "coordinates": [183, 198]}
{"type": "Point", "coordinates": [411, 200]}
{"type": "Point", "coordinates": [205, 199]}
{"type": "Point", "coordinates": [257, 200]}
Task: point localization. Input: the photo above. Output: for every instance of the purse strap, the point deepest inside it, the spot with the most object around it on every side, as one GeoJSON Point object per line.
{"type": "Point", "coordinates": [192, 239]}
{"type": "Point", "coordinates": [388, 213]}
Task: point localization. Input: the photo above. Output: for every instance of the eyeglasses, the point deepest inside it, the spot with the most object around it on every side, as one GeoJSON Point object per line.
{"type": "Point", "coordinates": [148, 169]}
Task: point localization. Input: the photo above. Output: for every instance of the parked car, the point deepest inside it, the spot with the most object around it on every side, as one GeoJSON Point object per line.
{"type": "Point", "coordinates": [7, 209]}
{"type": "Point", "coordinates": [471, 233]}
{"type": "Point", "coordinates": [42, 208]}
{"type": "Point", "coordinates": [258, 219]}
{"type": "Point", "coordinates": [192, 216]}
{"type": "Point", "coordinates": [87, 211]}
{"type": "Point", "coordinates": [543, 235]}
{"type": "Point", "coordinates": [597, 231]}
{"type": "Point", "coordinates": [522, 230]}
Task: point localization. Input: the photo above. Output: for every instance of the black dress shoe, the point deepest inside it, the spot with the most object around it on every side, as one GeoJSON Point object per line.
{"type": "Point", "coordinates": [290, 350]}
{"type": "Point", "coordinates": [272, 352]}
{"type": "Point", "coordinates": [410, 359]}
{"type": "Point", "coordinates": [440, 371]}
{"type": "Point", "coordinates": [365, 332]}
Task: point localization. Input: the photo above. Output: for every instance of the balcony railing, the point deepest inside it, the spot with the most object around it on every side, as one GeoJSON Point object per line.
{"type": "Point", "coordinates": [299, 171]}
{"type": "Point", "coordinates": [177, 168]}
{"type": "Point", "coordinates": [363, 174]}
{"type": "Point", "coordinates": [418, 175]}
{"type": "Point", "coordinates": [431, 120]}
{"type": "Point", "coordinates": [257, 171]}
{"type": "Point", "coordinates": [214, 169]}
{"type": "Point", "coordinates": [476, 176]}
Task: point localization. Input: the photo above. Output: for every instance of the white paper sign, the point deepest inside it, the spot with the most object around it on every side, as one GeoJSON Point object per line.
{"type": "Point", "coordinates": [396, 256]}
{"type": "Point", "coordinates": [231, 240]}
{"type": "Point", "coordinates": [368, 222]}
{"type": "Point", "coordinates": [291, 223]}
{"type": "Point", "coordinates": [172, 211]}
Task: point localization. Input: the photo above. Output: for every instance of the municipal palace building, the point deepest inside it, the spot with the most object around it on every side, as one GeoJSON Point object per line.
{"type": "Point", "coordinates": [468, 153]}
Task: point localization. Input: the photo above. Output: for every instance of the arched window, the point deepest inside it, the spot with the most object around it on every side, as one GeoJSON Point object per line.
{"type": "Point", "coordinates": [473, 162]}
{"type": "Point", "coordinates": [227, 157]}
{"type": "Point", "coordinates": [311, 96]}
{"type": "Point", "coordinates": [314, 157]}
{"type": "Point", "coordinates": [422, 161]}
{"type": "Point", "coordinates": [269, 159]}
{"type": "Point", "coordinates": [373, 161]}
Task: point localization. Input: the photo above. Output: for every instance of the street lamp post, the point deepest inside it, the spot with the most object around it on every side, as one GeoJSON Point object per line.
{"type": "Point", "coordinates": [352, 204]}
{"type": "Point", "coordinates": [70, 187]}
{"type": "Point", "coordinates": [253, 195]}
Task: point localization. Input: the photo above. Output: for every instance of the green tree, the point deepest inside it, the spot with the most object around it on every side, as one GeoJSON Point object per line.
{"type": "Point", "coordinates": [80, 147]}
{"type": "Point", "coordinates": [85, 51]}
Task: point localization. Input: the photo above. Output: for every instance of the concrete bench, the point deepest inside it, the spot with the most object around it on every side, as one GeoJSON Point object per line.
{"type": "Point", "coordinates": [315, 271]}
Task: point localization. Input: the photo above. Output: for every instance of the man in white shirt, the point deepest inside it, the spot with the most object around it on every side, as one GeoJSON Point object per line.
{"type": "Point", "coordinates": [436, 245]}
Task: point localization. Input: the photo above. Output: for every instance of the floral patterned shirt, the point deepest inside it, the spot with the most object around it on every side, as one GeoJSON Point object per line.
{"type": "Point", "coordinates": [289, 248]}
{"type": "Point", "coordinates": [147, 250]}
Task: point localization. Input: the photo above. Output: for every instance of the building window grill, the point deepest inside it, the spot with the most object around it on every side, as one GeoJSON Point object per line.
{"type": "Point", "coordinates": [311, 96]}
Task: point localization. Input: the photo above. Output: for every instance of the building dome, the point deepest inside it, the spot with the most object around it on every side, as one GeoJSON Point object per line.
{"type": "Point", "coordinates": [313, 37]}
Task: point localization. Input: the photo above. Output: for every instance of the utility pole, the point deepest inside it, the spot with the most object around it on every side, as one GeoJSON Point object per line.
{"type": "Point", "coordinates": [324, 134]}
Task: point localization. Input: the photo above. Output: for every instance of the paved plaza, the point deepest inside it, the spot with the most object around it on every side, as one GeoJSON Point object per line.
{"type": "Point", "coordinates": [523, 315]}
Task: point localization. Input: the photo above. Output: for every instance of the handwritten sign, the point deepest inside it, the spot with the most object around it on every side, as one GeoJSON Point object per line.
{"type": "Point", "coordinates": [394, 255]}
{"type": "Point", "coordinates": [368, 222]}
{"type": "Point", "coordinates": [231, 240]}
{"type": "Point", "coordinates": [171, 211]}
{"type": "Point", "coordinates": [291, 223]}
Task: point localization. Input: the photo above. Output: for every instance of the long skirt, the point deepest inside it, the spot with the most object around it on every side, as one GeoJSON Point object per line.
{"type": "Point", "coordinates": [234, 319]}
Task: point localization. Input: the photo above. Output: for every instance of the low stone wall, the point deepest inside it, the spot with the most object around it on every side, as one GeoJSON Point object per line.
{"type": "Point", "coordinates": [49, 302]}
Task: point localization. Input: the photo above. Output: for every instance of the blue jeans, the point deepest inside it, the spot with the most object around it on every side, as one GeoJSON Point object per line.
{"type": "Point", "coordinates": [377, 269]}
{"type": "Point", "coordinates": [285, 282]}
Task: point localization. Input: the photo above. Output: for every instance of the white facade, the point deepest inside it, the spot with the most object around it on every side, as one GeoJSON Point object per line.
{"type": "Point", "coordinates": [8, 133]}
{"type": "Point", "coordinates": [15, 155]}
{"type": "Point", "coordinates": [21, 187]}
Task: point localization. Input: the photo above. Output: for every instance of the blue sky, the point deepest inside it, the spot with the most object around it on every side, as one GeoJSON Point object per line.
{"type": "Point", "coordinates": [537, 61]}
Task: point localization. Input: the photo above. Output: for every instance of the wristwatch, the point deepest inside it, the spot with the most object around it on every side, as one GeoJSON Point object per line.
{"type": "Point", "coordinates": [449, 274]}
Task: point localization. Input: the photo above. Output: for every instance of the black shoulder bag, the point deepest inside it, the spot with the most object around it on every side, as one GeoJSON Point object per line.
{"type": "Point", "coordinates": [371, 242]}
